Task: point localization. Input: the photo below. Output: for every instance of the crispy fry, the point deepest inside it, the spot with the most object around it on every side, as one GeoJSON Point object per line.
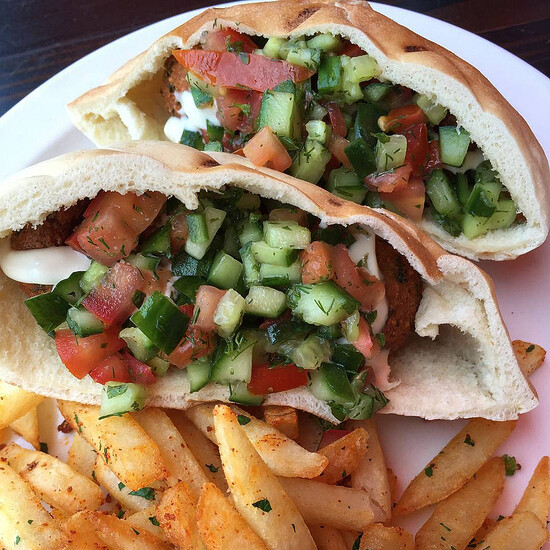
{"type": "Point", "coordinates": [530, 356]}
{"type": "Point", "coordinates": [257, 494]}
{"type": "Point", "coordinates": [456, 519]}
{"type": "Point", "coordinates": [53, 481]}
{"type": "Point", "coordinates": [22, 517]}
{"type": "Point", "coordinates": [284, 419]}
{"type": "Point", "coordinates": [27, 428]}
{"type": "Point", "coordinates": [221, 527]}
{"type": "Point", "coordinates": [523, 530]}
{"type": "Point", "coordinates": [146, 520]}
{"type": "Point", "coordinates": [481, 533]}
{"type": "Point", "coordinates": [319, 503]}
{"type": "Point", "coordinates": [176, 515]}
{"type": "Point", "coordinates": [455, 464]}
{"type": "Point", "coordinates": [82, 456]}
{"type": "Point", "coordinates": [536, 497]}
{"type": "Point", "coordinates": [311, 431]}
{"type": "Point", "coordinates": [344, 455]}
{"type": "Point", "coordinates": [15, 403]}
{"type": "Point", "coordinates": [179, 461]}
{"type": "Point", "coordinates": [378, 537]}
{"type": "Point", "coordinates": [83, 533]}
{"type": "Point", "coordinates": [328, 538]}
{"type": "Point", "coordinates": [129, 452]}
{"type": "Point", "coordinates": [282, 455]}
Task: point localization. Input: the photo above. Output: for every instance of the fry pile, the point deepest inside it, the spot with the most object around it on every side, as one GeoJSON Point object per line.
{"type": "Point", "coordinates": [218, 477]}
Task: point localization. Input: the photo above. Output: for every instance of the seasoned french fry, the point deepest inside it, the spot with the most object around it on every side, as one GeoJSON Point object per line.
{"type": "Point", "coordinates": [177, 518]}
{"type": "Point", "coordinates": [53, 481]}
{"type": "Point", "coordinates": [129, 452]}
{"type": "Point", "coordinates": [481, 533]}
{"type": "Point", "coordinates": [82, 456]}
{"type": "Point", "coordinates": [178, 458]}
{"type": "Point", "coordinates": [523, 530]}
{"type": "Point", "coordinates": [257, 494]}
{"type": "Point", "coordinates": [455, 464]}
{"type": "Point", "coordinates": [146, 520]}
{"type": "Point", "coordinates": [319, 503]}
{"type": "Point", "coordinates": [344, 455]}
{"type": "Point", "coordinates": [456, 519]}
{"type": "Point", "coordinates": [284, 419]}
{"type": "Point", "coordinates": [15, 403]}
{"type": "Point", "coordinates": [378, 537]}
{"type": "Point", "coordinates": [371, 474]}
{"type": "Point", "coordinates": [328, 538]}
{"type": "Point", "coordinates": [22, 517]}
{"type": "Point", "coordinates": [351, 538]}
{"type": "Point", "coordinates": [83, 533]}
{"type": "Point", "coordinates": [311, 431]}
{"type": "Point", "coordinates": [27, 428]}
{"type": "Point", "coordinates": [220, 526]}
{"type": "Point", "coordinates": [530, 356]}
{"type": "Point", "coordinates": [282, 455]}
{"type": "Point", "coordinates": [536, 497]}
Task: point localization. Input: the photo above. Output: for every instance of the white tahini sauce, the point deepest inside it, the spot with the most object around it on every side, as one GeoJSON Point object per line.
{"type": "Point", "coordinates": [192, 118]}
{"type": "Point", "coordinates": [471, 161]}
{"type": "Point", "coordinates": [43, 266]}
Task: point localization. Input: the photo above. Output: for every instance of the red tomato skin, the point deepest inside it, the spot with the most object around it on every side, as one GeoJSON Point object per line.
{"type": "Point", "coordinates": [265, 149]}
{"type": "Point", "coordinates": [402, 118]}
{"type": "Point", "coordinates": [337, 119]}
{"type": "Point", "coordinates": [111, 301]}
{"type": "Point", "coordinates": [337, 146]}
{"type": "Point", "coordinates": [207, 300]}
{"type": "Point", "coordinates": [231, 70]}
{"type": "Point", "coordinates": [417, 147]}
{"type": "Point", "coordinates": [233, 117]}
{"type": "Point", "coordinates": [196, 343]}
{"type": "Point", "coordinates": [267, 379]}
{"type": "Point", "coordinates": [434, 160]}
{"type": "Point", "coordinates": [178, 233]}
{"type": "Point", "coordinates": [112, 369]}
{"type": "Point", "coordinates": [386, 182]}
{"type": "Point", "coordinates": [268, 322]}
{"type": "Point", "coordinates": [82, 355]}
{"type": "Point", "coordinates": [217, 41]}
{"type": "Point", "coordinates": [410, 199]}
{"type": "Point", "coordinates": [352, 50]}
{"type": "Point", "coordinates": [317, 263]}
{"type": "Point", "coordinates": [364, 343]}
{"type": "Point", "coordinates": [330, 436]}
{"type": "Point", "coordinates": [140, 373]}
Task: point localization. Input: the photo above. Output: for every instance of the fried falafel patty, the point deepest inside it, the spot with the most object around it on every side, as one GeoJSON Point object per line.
{"type": "Point", "coordinates": [175, 80]}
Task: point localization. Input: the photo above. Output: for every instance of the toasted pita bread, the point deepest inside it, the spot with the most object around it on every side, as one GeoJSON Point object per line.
{"type": "Point", "coordinates": [460, 362]}
{"type": "Point", "coordinates": [129, 105]}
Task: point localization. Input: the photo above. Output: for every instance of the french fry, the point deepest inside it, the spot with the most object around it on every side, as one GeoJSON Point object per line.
{"type": "Point", "coordinates": [530, 356]}
{"type": "Point", "coordinates": [22, 517]}
{"type": "Point", "coordinates": [82, 456]}
{"type": "Point", "coordinates": [455, 464]}
{"type": "Point", "coordinates": [481, 533]}
{"type": "Point", "coordinates": [282, 455]}
{"type": "Point", "coordinates": [129, 452]}
{"type": "Point", "coordinates": [456, 519]}
{"type": "Point", "coordinates": [328, 538]}
{"type": "Point", "coordinates": [83, 533]}
{"type": "Point", "coordinates": [176, 515]}
{"type": "Point", "coordinates": [220, 526]}
{"type": "Point", "coordinates": [371, 474]}
{"type": "Point", "coordinates": [344, 455]}
{"type": "Point", "coordinates": [351, 538]}
{"type": "Point", "coordinates": [176, 455]}
{"type": "Point", "coordinates": [536, 497]}
{"type": "Point", "coordinates": [311, 431]}
{"type": "Point", "coordinates": [257, 494]}
{"type": "Point", "coordinates": [202, 448]}
{"type": "Point", "coordinates": [15, 403]}
{"type": "Point", "coordinates": [53, 481]}
{"type": "Point", "coordinates": [284, 419]}
{"type": "Point", "coordinates": [523, 530]}
{"type": "Point", "coordinates": [146, 520]}
{"type": "Point", "coordinates": [319, 503]}
{"type": "Point", "coordinates": [379, 537]}
{"type": "Point", "coordinates": [27, 428]}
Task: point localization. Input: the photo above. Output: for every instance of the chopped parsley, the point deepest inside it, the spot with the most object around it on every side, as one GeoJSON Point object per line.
{"type": "Point", "coordinates": [469, 440]}
{"type": "Point", "coordinates": [510, 465]}
{"type": "Point", "coordinates": [154, 521]}
{"type": "Point", "coordinates": [212, 468]}
{"type": "Point", "coordinates": [429, 471]}
{"type": "Point", "coordinates": [263, 505]}
{"type": "Point", "coordinates": [148, 493]}
{"type": "Point", "coordinates": [243, 420]}
{"type": "Point", "coordinates": [44, 447]}
{"type": "Point", "coordinates": [530, 348]}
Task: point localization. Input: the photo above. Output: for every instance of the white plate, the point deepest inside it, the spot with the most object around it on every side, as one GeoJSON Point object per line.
{"type": "Point", "coordinates": [38, 128]}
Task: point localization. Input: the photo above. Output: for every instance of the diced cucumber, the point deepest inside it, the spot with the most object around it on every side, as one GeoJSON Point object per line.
{"type": "Point", "coordinates": [141, 347]}
{"type": "Point", "coordinates": [250, 266]}
{"type": "Point", "coordinates": [279, 111]}
{"type": "Point", "coordinates": [359, 69]}
{"type": "Point", "coordinates": [192, 139]}
{"type": "Point", "coordinates": [248, 202]}
{"type": "Point", "coordinates": [347, 356]}
{"type": "Point", "coordinates": [351, 92]}
{"type": "Point", "coordinates": [286, 234]}
{"type": "Point", "coordinates": [49, 310]}
{"type": "Point", "coordinates": [483, 199]}
{"type": "Point", "coordinates": [215, 133]}
{"type": "Point", "coordinates": [277, 275]}
{"type": "Point", "coordinates": [332, 332]}
{"type": "Point", "coordinates": [434, 112]}
{"type": "Point", "coordinates": [317, 112]}
{"type": "Point", "coordinates": [239, 393]}
{"type": "Point", "coordinates": [310, 162]}
{"type": "Point", "coordinates": [321, 304]}
{"type": "Point", "coordinates": [473, 226]}
{"type": "Point", "coordinates": [442, 194]}
{"type": "Point", "coordinates": [463, 188]}
{"type": "Point", "coordinates": [309, 354]}
{"type": "Point", "coordinates": [214, 219]}
{"type": "Point", "coordinates": [198, 373]}
{"type": "Point", "coordinates": [229, 313]}
{"type": "Point", "coordinates": [83, 323]}
{"type": "Point", "coordinates": [142, 262]}
{"type": "Point", "coordinates": [91, 277]}
{"type": "Point", "coordinates": [158, 366]}
{"type": "Point", "coordinates": [251, 230]}
{"type": "Point", "coordinates": [118, 399]}
{"type": "Point", "coordinates": [200, 98]}
{"type": "Point", "coordinates": [504, 216]}
{"type": "Point", "coordinates": [330, 383]}
{"type": "Point", "coordinates": [373, 93]}
{"type": "Point", "coordinates": [266, 254]}
{"type": "Point", "coordinates": [231, 243]}
{"type": "Point", "coordinates": [345, 183]}
{"type": "Point", "coordinates": [325, 42]}
{"type": "Point", "coordinates": [225, 271]}
{"type": "Point", "coordinates": [214, 146]}
{"type": "Point", "coordinates": [187, 287]}
{"type": "Point", "coordinates": [265, 302]}
{"type": "Point", "coordinates": [320, 131]}
{"type": "Point", "coordinates": [196, 82]}
{"type": "Point", "coordinates": [350, 327]}
{"type": "Point", "coordinates": [484, 172]}
{"type": "Point", "coordinates": [158, 242]}
{"type": "Point", "coordinates": [273, 45]}
{"type": "Point", "coordinates": [305, 57]}
{"type": "Point", "coordinates": [234, 363]}
{"type": "Point", "coordinates": [198, 230]}
{"type": "Point", "coordinates": [330, 75]}
{"type": "Point", "coordinates": [286, 329]}
{"type": "Point", "coordinates": [453, 143]}
{"type": "Point", "coordinates": [366, 124]}
{"type": "Point", "coordinates": [391, 152]}
{"type": "Point", "coordinates": [69, 289]}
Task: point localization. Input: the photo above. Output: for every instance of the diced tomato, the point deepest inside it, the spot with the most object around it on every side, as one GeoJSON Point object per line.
{"type": "Point", "coordinates": [386, 182]}
{"type": "Point", "coordinates": [207, 300]}
{"type": "Point", "coordinates": [140, 373]}
{"type": "Point", "coordinates": [402, 118]}
{"type": "Point", "coordinates": [219, 41]}
{"type": "Point", "coordinates": [231, 70]}
{"type": "Point", "coordinates": [337, 119]}
{"type": "Point", "coordinates": [82, 355]}
{"type": "Point", "coordinates": [239, 110]}
{"type": "Point", "coordinates": [265, 149]}
{"type": "Point", "coordinates": [398, 96]}
{"type": "Point", "coordinates": [156, 280]}
{"type": "Point", "coordinates": [196, 343]}
{"type": "Point", "coordinates": [267, 379]}
{"type": "Point", "coordinates": [188, 309]}
{"type": "Point", "coordinates": [111, 301]}
{"type": "Point", "coordinates": [409, 200]}
{"type": "Point", "coordinates": [434, 160]}
{"type": "Point", "coordinates": [330, 436]}
{"type": "Point", "coordinates": [352, 50]}
{"type": "Point", "coordinates": [178, 233]}
{"type": "Point", "coordinates": [289, 214]}
{"type": "Point", "coordinates": [363, 286]}
{"type": "Point", "coordinates": [337, 146]}
{"type": "Point", "coordinates": [112, 369]}
{"type": "Point", "coordinates": [233, 143]}
{"type": "Point", "coordinates": [364, 343]}
{"type": "Point", "coordinates": [417, 147]}
{"type": "Point", "coordinates": [317, 263]}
